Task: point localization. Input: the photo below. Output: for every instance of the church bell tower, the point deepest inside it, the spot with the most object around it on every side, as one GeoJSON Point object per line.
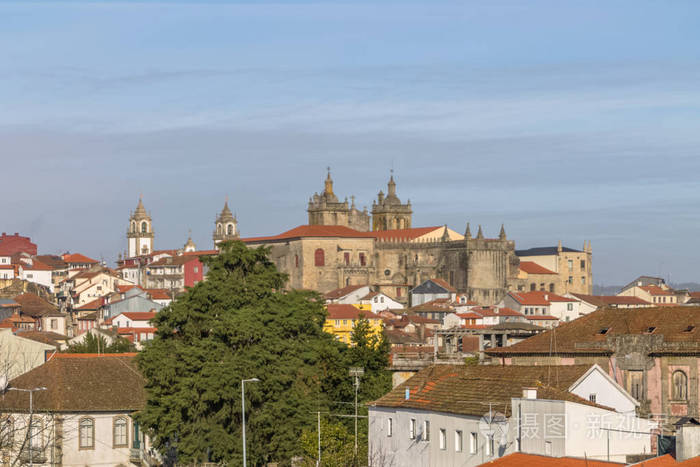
{"type": "Point", "coordinates": [226, 226]}
{"type": "Point", "coordinates": [139, 235]}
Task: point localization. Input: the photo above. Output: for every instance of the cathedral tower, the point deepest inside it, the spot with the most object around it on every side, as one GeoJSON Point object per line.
{"type": "Point", "coordinates": [326, 209]}
{"type": "Point", "coordinates": [226, 227]}
{"type": "Point", "coordinates": [140, 232]}
{"type": "Point", "coordinates": [388, 213]}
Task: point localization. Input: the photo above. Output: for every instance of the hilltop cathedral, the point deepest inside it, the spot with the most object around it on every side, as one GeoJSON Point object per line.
{"type": "Point", "coordinates": [337, 248]}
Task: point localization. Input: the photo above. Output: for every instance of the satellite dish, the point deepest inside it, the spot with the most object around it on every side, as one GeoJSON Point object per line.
{"type": "Point", "coordinates": [3, 383]}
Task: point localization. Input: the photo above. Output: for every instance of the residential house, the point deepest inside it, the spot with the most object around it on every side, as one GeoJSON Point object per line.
{"type": "Point", "coordinates": [341, 321]}
{"type": "Point", "coordinates": [12, 244]}
{"type": "Point", "coordinates": [59, 268]}
{"type": "Point", "coordinates": [348, 295]}
{"type": "Point", "coordinates": [8, 271]}
{"type": "Point", "coordinates": [36, 271]}
{"type": "Point", "coordinates": [652, 352]}
{"type": "Point", "coordinates": [77, 261]}
{"type": "Point", "coordinates": [434, 309]}
{"type": "Point", "coordinates": [18, 321]}
{"type": "Point", "coordinates": [572, 266]}
{"type": "Point", "coordinates": [133, 300]}
{"type": "Point", "coordinates": [378, 301]}
{"type": "Point", "coordinates": [83, 417]}
{"type": "Point", "coordinates": [44, 313]}
{"type": "Point", "coordinates": [8, 307]}
{"type": "Point", "coordinates": [590, 303]}
{"type": "Point", "coordinates": [544, 304]}
{"type": "Point", "coordinates": [465, 415]}
{"type": "Point", "coordinates": [536, 277]}
{"type": "Point", "coordinates": [430, 290]}
{"type": "Point", "coordinates": [135, 326]}
{"type": "Point", "coordinates": [19, 354]}
{"type": "Point", "coordinates": [174, 272]}
{"type": "Point", "coordinates": [89, 284]}
{"type": "Point", "coordinates": [657, 295]}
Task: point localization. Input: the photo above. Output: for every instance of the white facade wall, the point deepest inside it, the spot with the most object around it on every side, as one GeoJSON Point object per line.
{"type": "Point", "coordinates": [565, 311]}
{"type": "Point", "coordinates": [55, 324]}
{"type": "Point", "coordinates": [607, 392]}
{"type": "Point", "coordinates": [400, 450]}
{"type": "Point", "coordinates": [353, 297]}
{"type": "Point", "coordinates": [40, 277]}
{"type": "Point", "coordinates": [381, 302]}
{"type": "Point", "coordinates": [421, 298]}
{"type": "Point", "coordinates": [122, 321]}
{"type": "Point", "coordinates": [19, 355]}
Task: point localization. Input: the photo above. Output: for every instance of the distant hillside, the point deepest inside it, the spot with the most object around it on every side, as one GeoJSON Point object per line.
{"type": "Point", "coordinates": [614, 289]}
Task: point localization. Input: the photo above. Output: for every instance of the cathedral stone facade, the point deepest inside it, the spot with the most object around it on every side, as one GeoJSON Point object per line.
{"type": "Point", "coordinates": [337, 249]}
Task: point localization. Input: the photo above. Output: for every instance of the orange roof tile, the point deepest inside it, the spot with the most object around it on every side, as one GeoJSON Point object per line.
{"type": "Point", "coordinates": [403, 234]}
{"type": "Point", "coordinates": [343, 291]}
{"type": "Point", "coordinates": [139, 315]}
{"type": "Point", "coordinates": [531, 267]}
{"type": "Point", "coordinates": [78, 258]}
{"type": "Point", "coordinates": [519, 459]}
{"type": "Point", "coordinates": [338, 311]}
{"type": "Point", "coordinates": [313, 231]}
{"type": "Point", "coordinates": [538, 297]}
{"type": "Point", "coordinates": [655, 290]}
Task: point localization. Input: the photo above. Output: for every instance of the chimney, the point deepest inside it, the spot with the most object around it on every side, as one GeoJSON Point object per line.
{"type": "Point", "coordinates": [408, 394]}
{"type": "Point", "coordinates": [546, 297]}
{"type": "Point", "coordinates": [529, 393]}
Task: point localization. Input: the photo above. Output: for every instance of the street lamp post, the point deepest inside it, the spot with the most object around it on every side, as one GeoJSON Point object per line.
{"type": "Point", "coordinates": [251, 380]}
{"type": "Point", "coordinates": [31, 412]}
{"type": "Point", "coordinates": [356, 372]}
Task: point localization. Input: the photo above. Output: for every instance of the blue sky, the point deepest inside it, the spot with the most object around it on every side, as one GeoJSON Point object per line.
{"type": "Point", "coordinates": [565, 120]}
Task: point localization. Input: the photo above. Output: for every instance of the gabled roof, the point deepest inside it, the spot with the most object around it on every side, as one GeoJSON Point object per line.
{"type": "Point", "coordinates": [461, 389]}
{"type": "Point", "coordinates": [80, 383]}
{"type": "Point", "coordinates": [538, 297]}
{"type": "Point", "coordinates": [93, 305]}
{"type": "Point", "coordinates": [56, 262]}
{"type": "Point", "coordinates": [36, 266]}
{"type": "Point", "coordinates": [531, 267]}
{"type": "Point", "coordinates": [312, 231]}
{"type": "Point", "coordinates": [159, 294]}
{"type": "Point", "coordinates": [35, 306]}
{"type": "Point", "coordinates": [597, 369]}
{"type": "Point", "coordinates": [138, 315]}
{"type": "Point", "coordinates": [77, 258]}
{"type": "Point", "coordinates": [519, 459]}
{"type": "Point", "coordinates": [609, 300]}
{"type": "Point", "coordinates": [432, 286]}
{"type": "Point", "coordinates": [173, 261]}
{"type": "Point", "coordinates": [342, 292]}
{"type": "Point", "coordinates": [45, 337]}
{"type": "Point", "coordinates": [655, 290]}
{"type": "Point", "coordinates": [545, 251]}
{"type": "Point", "coordinates": [341, 311]}
{"type": "Point", "coordinates": [679, 326]}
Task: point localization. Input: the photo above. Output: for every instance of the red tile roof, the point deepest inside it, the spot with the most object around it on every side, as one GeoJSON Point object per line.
{"type": "Point", "coordinates": [138, 315]}
{"type": "Point", "coordinates": [518, 459]}
{"type": "Point", "coordinates": [37, 266]}
{"type": "Point", "coordinates": [35, 306]}
{"type": "Point", "coordinates": [404, 234]}
{"type": "Point", "coordinates": [538, 297]}
{"type": "Point", "coordinates": [125, 288]}
{"type": "Point", "coordinates": [656, 290]}
{"type": "Point", "coordinates": [461, 389]}
{"type": "Point", "coordinates": [679, 326]}
{"type": "Point", "coordinates": [173, 261]}
{"type": "Point", "coordinates": [77, 258]}
{"type": "Point", "coordinates": [343, 291]}
{"type": "Point", "coordinates": [81, 383]}
{"type": "Point", "coordinates": [159, 294]}
{"type": "Point", "coordinates": [531, 267]}
{"type": "Point", "coordinates": [444, 284]}
{"type": "Point", "coordinates": [312, 231]}
{"type": "Point", "coordinates": [338, 311]}
{"type": "Point", "coordinates": [606, 300]}
{"type": "Point", "coordinates": [93, 305]}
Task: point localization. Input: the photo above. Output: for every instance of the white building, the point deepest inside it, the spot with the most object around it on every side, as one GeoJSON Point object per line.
{"type": "Point", "coordinates": [35, 271]}
{"type": "Point", "coordinates": [465, 415]}
{"type": "Point", "coordinates": [378, 301]}
{"type": "Point", "coordinates": [563, 308]}
{"type": "Point", "coordinates": [84, 415]}
{"type": "Point", "coordinates": [350, 295]}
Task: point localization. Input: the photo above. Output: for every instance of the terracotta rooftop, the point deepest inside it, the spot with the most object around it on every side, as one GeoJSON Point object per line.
{"type": "Point", "coordinates": [159, 294]}
{"type": "Point", "coordinates": [313, 231]}
{"type": "Point", "coordinates": [93, 305]}
{"type": "Point", "coordinates": [679, 326]}
{"type": "Point", "coordinates": [173, 261]}
{"type": "Point", "coordinates": [45, 337]}
{"type": "Point", "coordinates": [139, 315]}
{"type": "Point", "coordinates": [80, 383]}
{"type": "Point", "coordinates": [519, 459]}
{"type": "Point", "coordinates": [538, 297]}
{"type": "Point", "coordinates": [339, 293]}
{"type": "Point", "coordinates": [35, 306]}
{"type": "Point", "coordinates": [656, 290]}
{"type": "Point", "coordinates": [339, 311]}
{"type": "Point", "coordinates": [461, 389]}
{"type": "Point", "coordinates": [531, 267]}
{"type": "Point", "coordinates": [444, 284]}
{"type": "Point", "coordinates": [77, 258]}
{"type": "Point", "coordinates": [609, 300]}
{"type": "Point", "coordinates": [56, 262]}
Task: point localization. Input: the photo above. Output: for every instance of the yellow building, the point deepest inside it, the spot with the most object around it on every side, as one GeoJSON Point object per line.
{"type": "Point", "coordinates": [342, 318]}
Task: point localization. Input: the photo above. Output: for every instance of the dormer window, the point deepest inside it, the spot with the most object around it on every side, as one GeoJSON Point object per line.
{"type": "Point", "coordinates": [650, 329]}
{"type": "Point", "coordinates": [689, 329]}
{"type": "Point", "coordinates": [603, 331]}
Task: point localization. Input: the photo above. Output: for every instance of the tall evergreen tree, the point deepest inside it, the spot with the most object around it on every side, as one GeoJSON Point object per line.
{"type": "Point", "coordinates": [237, 324]}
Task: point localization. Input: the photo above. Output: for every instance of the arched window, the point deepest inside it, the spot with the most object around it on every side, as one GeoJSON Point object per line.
{"type": "Point", "coordinates": [120, 433]}
{"type": "Point", "coordinates": [229, 229]}
{"type": "Point", "coordinates": [218, 229]}
{"type": "Point", "coordinates": [144, 227]}
{"type": "Point", "coordinates": [680, 386]}
{"type": "Point", "coordinates": [319, 258]}
{"type": "Point", "coordinates": [86, 433]}
{"type": "Point", "coordinates": [133, 227]}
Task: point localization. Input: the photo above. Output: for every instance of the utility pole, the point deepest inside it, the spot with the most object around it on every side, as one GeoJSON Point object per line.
{"type": "Point", "coordinates": [318, 462]}
{"type": "Point", "coordinates": [251, 380]}
{"type": "Point", "coordinates": [356, 372]}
